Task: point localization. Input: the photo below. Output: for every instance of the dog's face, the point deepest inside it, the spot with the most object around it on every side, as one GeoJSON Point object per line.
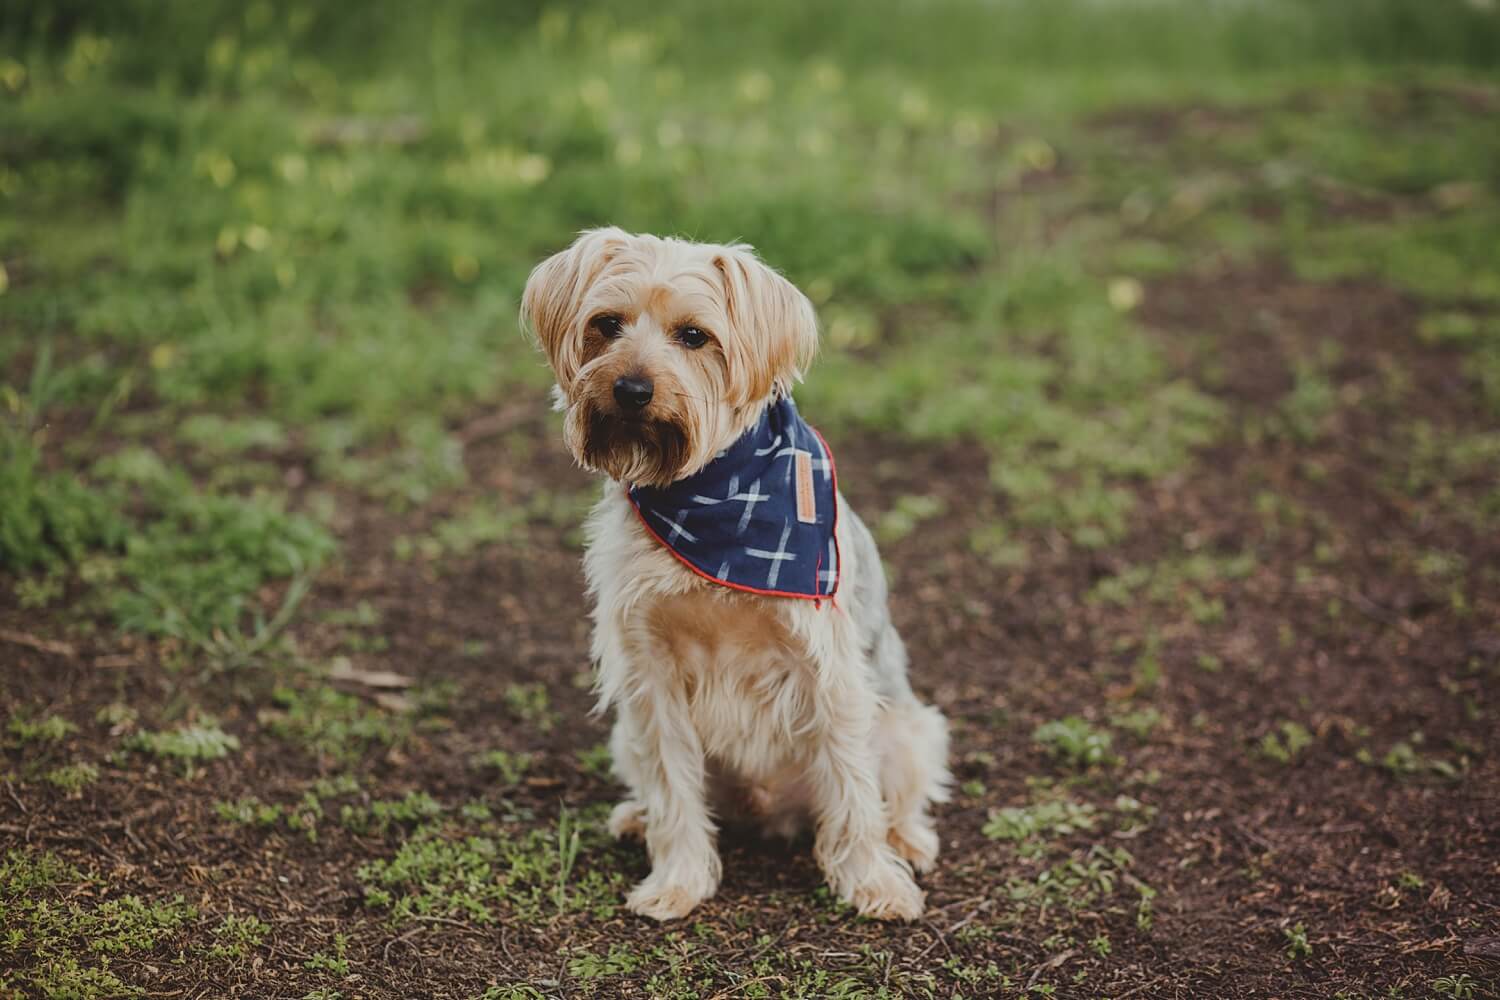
{"type": "Point", "coordinates": [664, 350]}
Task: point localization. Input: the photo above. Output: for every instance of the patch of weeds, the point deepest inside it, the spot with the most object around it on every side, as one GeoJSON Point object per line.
{"type": "Point", "coordinates": [494, 522]}
{"type": "Point", "coordinates": [1303, 414]}
{"type": "Point", "coordinates": [337, 963]}
{"type": "Point", "coordinates": [1460, 987]}
{"type": "Point", "coordinates": [618, 961]}
{"type": "Point", "coordinates": [1404, 760]}
{"type": "Point", "coordinates": [596, 760]}
{"type": "Point", "coordinates": [72, 778]}
{"type": "Point", "coordinates": [73, 938]}
{"type": "Point", "coordinates": [40, 590]}
{"type": "Point", "coordinates": [481, 878]}
{"type": "Point", "coordinates": [47, 729]}
{"type": "Point", "coordinates": [1078, 882]}
{"type": "Point", "coordinates": [906, 515]}
{"type": "Point", "coordinates": [379, 816]}
{"type": "Point", "coordinates": [198, 743]}
{"type": "Point", "coordinates": [304, 816]}
{"type": "Point", "coordinates": [1074, 742]}
{"type": "Point", "coordinates": [117, 715]}
{"type": "Point", "coordinates": [249, 811]}
{"type": "Point", "coordinates": [996, 545]}
{"type": "Point", "coordinates": [190, 570]}
{"type": "Point", "coordinates": [1175, 579]}
{"type": "Point", "coordinates": [512, 991]}
{"type": "Point", "coordinates": [330, 723]}
{"type": "Point", "coordinates": [431, 876]}
{"type": "Point", "coordinates": [510, 767]}
{"type": "Point", "coordinates": [1285, 743]}
{"type": "Point", "coordinates": [1297, 945]}
{"type": "Point", "coordinates": [1146, 671]}
{"type": "Point", "coordinates": [1030, 826]}
{"type": "Point", "coordinates": [50, 519]}
{"type": "Point", "coordinates": [217, 435]}
{"type": "Point", "coordinates": [1139, 722]}
{"type": "Point", "coordinates": [424, 461]}
{"type": "Point", "coordinates": [530, 704]}
{"type": "Point", "coordinates": [236, 937]}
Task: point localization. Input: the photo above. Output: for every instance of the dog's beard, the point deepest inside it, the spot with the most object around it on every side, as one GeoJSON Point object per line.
{"type": "Point", "coordinates": [645, 451]}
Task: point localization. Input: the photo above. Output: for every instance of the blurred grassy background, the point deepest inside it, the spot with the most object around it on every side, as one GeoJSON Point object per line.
{"type": "Point", "coordinates": [230, 229]}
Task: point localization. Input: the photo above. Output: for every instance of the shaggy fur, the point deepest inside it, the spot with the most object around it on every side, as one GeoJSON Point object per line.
{"type": "Point", "coordinates": [728, 704]}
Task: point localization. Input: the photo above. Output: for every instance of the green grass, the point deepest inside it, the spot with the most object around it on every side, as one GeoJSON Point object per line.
{"type": "Point", "coordinates": [71, 941]}
{"type": "Point", "coordinates": [192, 744]}
{"type": "Point", "coordinates": [519, 875]}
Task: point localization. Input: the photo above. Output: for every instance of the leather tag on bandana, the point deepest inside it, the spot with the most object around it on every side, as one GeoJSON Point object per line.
{"type": "Point", "coordinates": [807, 500]}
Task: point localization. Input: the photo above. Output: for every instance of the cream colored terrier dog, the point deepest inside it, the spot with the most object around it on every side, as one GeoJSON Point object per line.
{"type": "Point", "coordinates": [745, 684]}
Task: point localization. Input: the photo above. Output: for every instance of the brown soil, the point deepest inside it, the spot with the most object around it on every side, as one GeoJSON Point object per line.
{"type": "Point", "coordinates": [1333, 628]}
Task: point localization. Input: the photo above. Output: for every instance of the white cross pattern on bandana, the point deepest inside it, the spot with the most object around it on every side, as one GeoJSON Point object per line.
{"type": "Point", "coordinates": [678, 531]}
{"type": "Point", "coordinates": [749, 499]}
{"type": "Point", "coordinates": [777, 557]}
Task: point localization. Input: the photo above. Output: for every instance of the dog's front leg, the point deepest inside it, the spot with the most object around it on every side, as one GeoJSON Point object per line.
{"type": "Point", "coordinates": [851, 847]}
{"type": "Point", "coordinates": [668, 762]}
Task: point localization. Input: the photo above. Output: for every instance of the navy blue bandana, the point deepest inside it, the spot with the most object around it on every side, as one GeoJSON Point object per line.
{"type": "Point", "coordinates": [760, 516]}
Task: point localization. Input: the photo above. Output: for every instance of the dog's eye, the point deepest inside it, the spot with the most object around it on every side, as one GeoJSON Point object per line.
{"type": "Point", "coordinates": [608, 326]}
{"type": "Point", "coordinates": [691, 337]}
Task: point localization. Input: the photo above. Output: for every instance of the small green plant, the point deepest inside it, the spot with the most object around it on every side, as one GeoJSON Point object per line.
{"type": "Point", "coordinates": [530, 703]}
{"type": "Point", "coordinates": [510, 767]}
{"type": "Point", "coordinates": [1140, 722]}
{"type": "Point", "coordinates": [236, 937]}
{"type": "Point", "coordinates": [47, 729]}
{"type": "Point", "coordinates": [906, 515]}
{"type": "Point", "coordinates": [1286, 743]}
{"type": "Point", "coordinates": [332, 724]}
{"type": "Point", "coordinates": [1051, 817]}
{"type": "Point", "coordinates": [1074, 742]}
{"type": "Point", "coordinates": [1297, 945]}
{"type": "Point", "coordinates": [619, 961]}
{"type": "Point", "coordinates": [416, 807]}
{"type": "Point", "coordinates": [249, 811]}
{"type": "Point", "coordinates": [514, 991]}
{"type": "Point", "coordinates": [337, 963]}
{"type": "Point", "coordinates": [73, 778]}
{"type": "Point", "coordinates": [192, 744]}
{"type": "Point", "coordinates": [596, 760]}
{"type": "Point", "coordinates": [1459, 987]}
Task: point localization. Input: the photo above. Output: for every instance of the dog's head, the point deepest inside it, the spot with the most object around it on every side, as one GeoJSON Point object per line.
{"type": "Point", "coordinates": [664, 350]}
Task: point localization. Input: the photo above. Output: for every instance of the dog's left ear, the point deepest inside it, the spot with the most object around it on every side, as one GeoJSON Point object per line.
{"type": "Point", "coordinates": [775, 329]}
{"type": "Point", "coordinates": [551, 303]}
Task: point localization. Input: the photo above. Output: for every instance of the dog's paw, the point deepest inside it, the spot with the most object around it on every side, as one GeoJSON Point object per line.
{"type": "Point", "coordinates": [628, 820]}
{"type": "Point", "coordinates": [888, 892]}
{"type": "Point", "coordinates": [667, 899]}
{"type": "Point", "coordinates": [917, 843]}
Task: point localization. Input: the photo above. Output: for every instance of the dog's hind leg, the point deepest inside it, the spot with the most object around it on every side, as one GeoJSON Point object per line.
{"type": "Point", "coordinates": [913, 742]}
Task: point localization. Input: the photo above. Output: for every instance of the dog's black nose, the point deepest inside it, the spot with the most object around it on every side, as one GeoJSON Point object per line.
{"type": "Point", "coordinates": [633, 392]}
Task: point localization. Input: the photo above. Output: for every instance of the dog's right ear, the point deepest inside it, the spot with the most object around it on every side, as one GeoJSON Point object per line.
{"type": "Point", "coordinates": [551, 305]}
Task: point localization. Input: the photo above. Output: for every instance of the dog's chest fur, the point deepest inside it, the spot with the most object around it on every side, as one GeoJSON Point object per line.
{"type": "Point", "coordinates": [734, 661]}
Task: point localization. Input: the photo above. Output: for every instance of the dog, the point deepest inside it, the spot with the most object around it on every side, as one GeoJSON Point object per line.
{"type": "Point", "coordinates": [741, 631]}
